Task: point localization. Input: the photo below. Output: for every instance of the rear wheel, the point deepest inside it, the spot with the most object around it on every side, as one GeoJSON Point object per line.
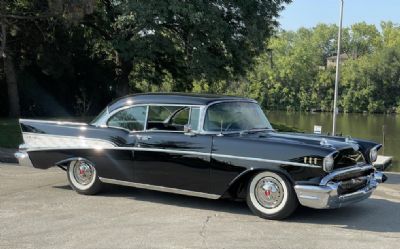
{"type": "Point", "coordinates": [82, 177]}
{"type": "Point", "coordinates": [271, 196]}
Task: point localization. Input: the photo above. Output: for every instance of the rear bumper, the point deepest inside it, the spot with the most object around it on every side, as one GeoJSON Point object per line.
{"type": "Point", "coordinates": [23, 158]}
{"type": "Point", "coordinates": [327, 196]}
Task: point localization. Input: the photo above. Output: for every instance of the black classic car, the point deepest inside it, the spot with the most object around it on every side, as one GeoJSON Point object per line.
{"type": "Point", "coordinates": [207, 146]}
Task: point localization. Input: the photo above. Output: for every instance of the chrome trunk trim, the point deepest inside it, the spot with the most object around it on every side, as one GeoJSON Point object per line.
{"type": "Point", "coordinates": [38, 141]}
{"type": "Point", "coordinates": [23, 159]}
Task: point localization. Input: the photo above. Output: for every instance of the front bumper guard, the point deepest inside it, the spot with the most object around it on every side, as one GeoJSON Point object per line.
{"type": "Point", "coordinates": [326, 196]}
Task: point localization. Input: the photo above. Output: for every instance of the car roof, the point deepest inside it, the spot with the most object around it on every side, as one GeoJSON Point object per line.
{"type": "Point", "coordinates": [171, 98]}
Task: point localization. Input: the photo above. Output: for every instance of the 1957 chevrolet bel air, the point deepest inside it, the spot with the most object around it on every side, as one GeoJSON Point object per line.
{"type": "Point", "coordinates": [204, 145]}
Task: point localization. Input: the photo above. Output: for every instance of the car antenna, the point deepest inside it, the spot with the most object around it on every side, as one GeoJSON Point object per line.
{"type": "Point", "coordinates": [220, 133]}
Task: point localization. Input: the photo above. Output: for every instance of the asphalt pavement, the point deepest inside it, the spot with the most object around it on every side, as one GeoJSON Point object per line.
{"type": "Point", "coordinates": [38, 209]}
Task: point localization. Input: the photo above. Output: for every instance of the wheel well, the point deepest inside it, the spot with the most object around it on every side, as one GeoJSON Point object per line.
{"type": "Point", "coordinates": [63, 164]}
{"type": "Point", "coordinates": [238, 188]}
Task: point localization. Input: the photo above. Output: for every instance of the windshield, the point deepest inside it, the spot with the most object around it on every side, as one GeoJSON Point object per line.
{"type": "Point", "coordinates": [235, 116]}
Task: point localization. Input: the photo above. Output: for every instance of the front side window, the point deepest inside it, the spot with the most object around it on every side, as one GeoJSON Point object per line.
{"type": "Point", "coordinates": [132, 118]}
{"type": "Point", "coordinates": [235, 116]}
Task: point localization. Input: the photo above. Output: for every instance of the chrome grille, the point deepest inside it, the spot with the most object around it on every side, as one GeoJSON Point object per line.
{"type": "Point", "coordinates": [348, 157]}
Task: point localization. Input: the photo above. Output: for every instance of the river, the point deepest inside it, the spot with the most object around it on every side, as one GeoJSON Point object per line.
{"type": "Point", "coordinates": [365, 126]}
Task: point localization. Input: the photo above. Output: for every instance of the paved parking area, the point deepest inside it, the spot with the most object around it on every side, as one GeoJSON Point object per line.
{"type": "Point", "coordinates": [38, 209]}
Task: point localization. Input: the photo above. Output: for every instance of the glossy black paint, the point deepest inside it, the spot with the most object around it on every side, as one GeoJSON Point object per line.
{"type": "Point", "coordinates": [174, 170]}
{"type": "Point", "coordinates": [114, 164]}
{"type": "Point", "coordinates": [148, 157]}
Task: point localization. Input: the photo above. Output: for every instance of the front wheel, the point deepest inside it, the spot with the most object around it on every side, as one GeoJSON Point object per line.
{"type": "Point", "coordinates": [271, 196]}
{"type": "Point", "coordinates": [83, 178]}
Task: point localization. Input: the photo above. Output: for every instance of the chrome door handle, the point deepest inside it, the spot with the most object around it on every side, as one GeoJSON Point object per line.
{"type": "Point", "coordinates": [143, 137]}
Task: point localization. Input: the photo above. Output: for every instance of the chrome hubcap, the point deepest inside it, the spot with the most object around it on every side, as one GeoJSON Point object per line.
{"type": "Point", "coordinates": [269, 192]}
{"type": "Point", "coordinates": [83, 172]}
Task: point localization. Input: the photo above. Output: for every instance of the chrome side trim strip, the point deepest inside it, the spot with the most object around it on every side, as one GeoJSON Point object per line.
{"type": "Point", "coordinates": [160, 188]}
{"type": "Point", "coordinates": [171, 151]}
{"type": "Point", "coordinates": [184, 152]}
{"type": "Point", "coordinates": [267, 160]}
{"type": "Point", "coordinates": [78, 148]}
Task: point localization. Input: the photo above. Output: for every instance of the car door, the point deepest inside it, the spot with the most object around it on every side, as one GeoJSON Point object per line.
{"type": "Point", "coordinates": [171, 157]}
{"type": "Point", "coordinates": [118, 163]}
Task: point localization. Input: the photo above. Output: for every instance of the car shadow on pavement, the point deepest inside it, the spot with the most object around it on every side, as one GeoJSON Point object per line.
{"type": "Point", "coordinates": [393, 179]}
{"type": "Point", "coordinates": [220, 205]}
{"type": "Point", "coordinates": [375, 215]}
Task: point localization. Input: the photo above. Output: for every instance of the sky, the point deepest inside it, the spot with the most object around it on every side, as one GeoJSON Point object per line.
{"type": "Point", "coordinates": [308, 13]}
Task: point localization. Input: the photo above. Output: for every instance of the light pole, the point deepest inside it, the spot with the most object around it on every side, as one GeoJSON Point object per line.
{"type": "Point", "coordinates": [335, 109]}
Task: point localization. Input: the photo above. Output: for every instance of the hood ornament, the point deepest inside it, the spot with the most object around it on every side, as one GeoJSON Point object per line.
{"type": "Point", "coordinates": [349, 140]}
{"type": "Point", "coordinates": [324, 142]}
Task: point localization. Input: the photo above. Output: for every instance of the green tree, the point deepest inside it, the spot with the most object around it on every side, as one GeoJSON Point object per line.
{"type": "Point", "coordinates": [25, 27]}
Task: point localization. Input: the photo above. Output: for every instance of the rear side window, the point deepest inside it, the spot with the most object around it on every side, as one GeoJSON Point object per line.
{"type": "Point", "coordinates": [181, 117]}
{"type": "Point", "coordinates": [172, 118]}
{"type": "Point", "coordinates": [132, 119]}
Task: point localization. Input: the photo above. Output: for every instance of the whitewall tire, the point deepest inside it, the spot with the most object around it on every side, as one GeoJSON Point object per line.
{"type": "Point", "coordinates": [271, 196]}
{"type": "Point", "coordinates": [83, 178]}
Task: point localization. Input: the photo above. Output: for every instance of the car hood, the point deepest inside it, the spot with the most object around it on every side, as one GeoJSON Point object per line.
{"type": "Point", "coordinates": [336, 143]}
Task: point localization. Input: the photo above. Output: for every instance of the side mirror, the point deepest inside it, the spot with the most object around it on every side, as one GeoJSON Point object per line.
{"type": "Point", "coordinates": [187, 129]}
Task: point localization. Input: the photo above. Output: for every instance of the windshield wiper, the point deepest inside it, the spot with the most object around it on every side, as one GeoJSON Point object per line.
{"type": "Point", "coordinates": [254, 130]}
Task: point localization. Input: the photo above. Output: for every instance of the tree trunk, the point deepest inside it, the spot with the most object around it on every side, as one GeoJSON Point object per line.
{"type": "Point", "coordinates": [12, 86]}
{"type": "Point", "coordinates": [122, 87]}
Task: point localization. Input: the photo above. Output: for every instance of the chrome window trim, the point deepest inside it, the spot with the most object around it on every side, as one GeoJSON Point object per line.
{"type": "Point", "coordinates": [190, 119]}
{"type": "Point", "coordinates": [203, 110]}
{"type": "Point", "coordinates": [160, 188]}
{"type": "Point", "coordinates": [103, 121]}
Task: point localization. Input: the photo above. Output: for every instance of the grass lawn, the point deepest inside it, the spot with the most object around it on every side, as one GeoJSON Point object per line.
{"type": "Point", "coordinates": [10, 134]}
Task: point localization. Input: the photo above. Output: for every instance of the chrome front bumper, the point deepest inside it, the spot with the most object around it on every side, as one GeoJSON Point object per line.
{"type": "Point", "coordinates": [23, 158]}
{"type": "Point", "coordinates": [327, 196]}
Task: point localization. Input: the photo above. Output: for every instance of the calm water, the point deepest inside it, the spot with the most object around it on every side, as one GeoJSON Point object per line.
{"type": "Point", "coordinates": [366, 126]}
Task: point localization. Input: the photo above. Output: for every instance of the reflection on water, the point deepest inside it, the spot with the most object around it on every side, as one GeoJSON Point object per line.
{"type": "Point", "coordinates": [366, 126]}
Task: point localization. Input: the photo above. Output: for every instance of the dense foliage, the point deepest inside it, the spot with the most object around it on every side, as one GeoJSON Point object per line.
{"type": "Point", "coordinates": [293, 74]}
{"type": "Point", "coordinates": [72, 57]}
{"type": "Point", "coordinates": [69, 58]}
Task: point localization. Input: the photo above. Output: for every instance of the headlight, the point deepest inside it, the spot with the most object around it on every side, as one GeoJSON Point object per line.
{"type": "Point", "coordinates": [373, 154]}
{"type": "Point", "coordinates": [328, 163]}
